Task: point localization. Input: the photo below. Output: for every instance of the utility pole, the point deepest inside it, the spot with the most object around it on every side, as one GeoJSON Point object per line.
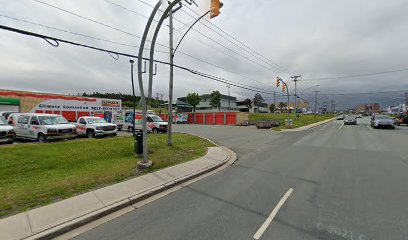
{"type": "Point", "coordinates": [229, 97]}
{"type": "Point", "coordinates": [295, 78]}
{"type": "Point", "coordinates": [316, 92]}
{"type": "Point", "coordinates": [170, 122]}
{"type": "Point", "coordinates": [406, 102]}
{"type": "Point", "coordinates": [161, 101]}
{"type": "Point", "coordinates": [274, 101]}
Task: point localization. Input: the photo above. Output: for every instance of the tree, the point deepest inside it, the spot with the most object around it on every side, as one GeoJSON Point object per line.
{"type": "Point", "coordinates": [193, 99]}
{"type": "Point", "coordinates": [258, 100]}
{"type": "Point", "coordinates": [248, 103]}
{"type": "Point", "coordinates": [282, 105]}
{"type": "Point", "coordinates": [215, 100]}
{"type": "Point", "coordinates": [272, 108]}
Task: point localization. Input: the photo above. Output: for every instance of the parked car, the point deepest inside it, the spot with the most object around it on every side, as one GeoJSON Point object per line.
{"type": "Point", "coordinates": [401, 119]}
{"type": "Point", "coordinates": [42, 127]}
{"type": "Point", "coordinates": [154, 123]}
{"type": "Point", "coordinates": [6, 114]}
{"type": "Point", "coordinates": [350, 120]}
{"type": "Point", "coordinates": [379, 121]}
{"type": "Point", "coordinates": [7, 133]}
{"type": "Point", "coordinates": [95, 127]}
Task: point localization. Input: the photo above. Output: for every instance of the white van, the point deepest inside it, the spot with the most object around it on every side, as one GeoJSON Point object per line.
{"type": "Point", "coordinates": [7, 133]}
{"type": "Point", "coordinates": [42, 127]}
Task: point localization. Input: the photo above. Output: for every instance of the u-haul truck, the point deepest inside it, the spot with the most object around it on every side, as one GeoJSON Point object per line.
{"type": "Point", "coordinates": [154, 123]}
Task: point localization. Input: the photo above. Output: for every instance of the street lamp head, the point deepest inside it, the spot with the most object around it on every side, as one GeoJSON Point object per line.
{"type": "Point", "coordinates": [131, 61]}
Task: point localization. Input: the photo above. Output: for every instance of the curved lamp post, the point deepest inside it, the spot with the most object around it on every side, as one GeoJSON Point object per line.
{"type": "Point", "coordinates": [167, 13]}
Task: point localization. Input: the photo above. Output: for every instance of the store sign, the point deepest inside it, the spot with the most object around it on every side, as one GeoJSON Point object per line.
{"type": "Point", "coordinates": [76, 105]}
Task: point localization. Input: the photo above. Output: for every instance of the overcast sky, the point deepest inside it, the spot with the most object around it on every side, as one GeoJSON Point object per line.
{"type": "Point", "coordinates": [314, 38]}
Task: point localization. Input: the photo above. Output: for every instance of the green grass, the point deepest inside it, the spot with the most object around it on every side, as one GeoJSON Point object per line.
{"type": "Point", "coordinates": [33, 175]}
{"type": "Point", "coordinates": [303, 120]}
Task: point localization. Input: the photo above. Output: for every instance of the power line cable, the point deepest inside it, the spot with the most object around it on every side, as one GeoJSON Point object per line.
{"type": "Point", "coordinates": [128, 45]}
{"type": "Point", "coordinates": [358, 75]}
{"type": "Point", "coordinates": [241, 45]}
{"type": "Point", "coordinates": [216, 42]}
{"type": "Point", "coordinates": [58, 40]}
{"type": "Point", "coordinates": [114, 28]}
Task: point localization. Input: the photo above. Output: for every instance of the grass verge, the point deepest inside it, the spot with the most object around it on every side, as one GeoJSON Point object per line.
{"type": "Point", "coordinates": [303, 120]}
{"type": "Point", "coordinates": [33, 175]}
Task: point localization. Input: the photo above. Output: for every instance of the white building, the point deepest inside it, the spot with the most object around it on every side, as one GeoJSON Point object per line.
{"type": "Point", "coordinates": [228, 104]}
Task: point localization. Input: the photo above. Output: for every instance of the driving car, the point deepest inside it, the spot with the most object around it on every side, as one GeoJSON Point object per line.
{"type": "Point", "coordinates": [350, 120]}
{"type": "Point", "coordinates": [7, 133]}
{"type": "Point", "coordinates": [340, 117]}
{"type": "Point", "coordinates": [401, 119]}
{"type": "Point", "coordinates": [379, 121]}
{"type": "Point", "coordinates": [42, 127]}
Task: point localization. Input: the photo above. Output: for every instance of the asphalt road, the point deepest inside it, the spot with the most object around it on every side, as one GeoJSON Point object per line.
{"type": "Point", "coordinates": [350, 182]}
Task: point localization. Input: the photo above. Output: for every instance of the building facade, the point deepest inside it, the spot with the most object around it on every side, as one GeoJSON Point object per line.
{"type": "Point", "coordinates": [227, 104]}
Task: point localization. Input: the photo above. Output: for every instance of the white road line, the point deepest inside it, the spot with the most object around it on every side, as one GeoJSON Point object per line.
{"type": "Point", "coordinates": [269, 220]}
{"type": "Point", "coordinates": [368, 127]}
{"type": "Point", "coordinates": [341, 126]}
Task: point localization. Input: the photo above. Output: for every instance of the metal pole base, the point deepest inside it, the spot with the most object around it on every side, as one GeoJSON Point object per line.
{"type": "Point", "coordinates": [141, 165]}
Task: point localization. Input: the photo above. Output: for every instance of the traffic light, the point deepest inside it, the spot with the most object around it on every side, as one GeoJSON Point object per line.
{"type": "Point", "coordinates": [283, 88]}
{"type": "Point", "coordinates": [215, 7]}
{"type": "Point", "coordinates": [277, 83]}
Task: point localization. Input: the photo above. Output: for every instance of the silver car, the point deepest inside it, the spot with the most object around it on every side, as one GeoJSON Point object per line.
{"type": "Point", "coordinates": [379, 121]}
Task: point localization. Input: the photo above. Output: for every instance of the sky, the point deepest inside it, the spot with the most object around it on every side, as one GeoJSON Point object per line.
{"type": "Point", "coordinates": [251, 43]}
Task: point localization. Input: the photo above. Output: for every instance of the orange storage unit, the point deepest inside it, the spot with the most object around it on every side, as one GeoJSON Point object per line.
{"type": "Point", "coordinates": [70, 116]}
{"type": "Point", "coordinates": [48, 112]}
{"type": "Point", "coordinates": [83, 114]}
{"type": "Point", "coordinates": [190, 118]}
{"type": "Point", "coordinates": [219, 118]}
{"type": "Point", "coordinates": [199, 118]}
{"type": "Point", "coordinates": [39, 111]}
{"type": "Point", "coordinates": [57, 112]}
{"type": "Point", "coordinates": [209, 118]}
{"type": "Point", "coordinates": [231, 118]}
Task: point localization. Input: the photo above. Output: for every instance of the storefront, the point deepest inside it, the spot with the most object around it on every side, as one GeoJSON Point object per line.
{"type": "Point", "coordinates": [71, 107]}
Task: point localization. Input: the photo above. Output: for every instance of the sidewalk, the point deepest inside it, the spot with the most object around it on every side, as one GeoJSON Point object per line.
{"type": "Point", "coordinates": [60, 217]}
{"type": "Point", "coordinates": [307, 127]}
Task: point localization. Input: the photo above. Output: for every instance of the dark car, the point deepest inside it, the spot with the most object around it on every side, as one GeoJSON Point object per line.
{"type": "Point", "coordinates": [401, 119]}
{"type": "Point", "coordinates": [350, 121]}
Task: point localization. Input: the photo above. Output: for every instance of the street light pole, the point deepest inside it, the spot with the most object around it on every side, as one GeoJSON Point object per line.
{"type": "Point", "coordinates": [170, 121]}
{"type": "Point", "coordinates": [295, 78]}
{"type": "Point", "coordinates": [145, 163]}
{"type": "Point", "coordinates": [229, 97]}
{"type": "Point", "coordinates": [316, 103]}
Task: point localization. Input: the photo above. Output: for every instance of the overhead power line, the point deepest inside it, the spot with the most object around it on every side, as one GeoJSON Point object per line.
{"type": "Point", "coordinates": [216, 42]}
{"type": "Point", "coordinates": [133, 46]}
{"type": "Point", "coordinates": [237, 42]}
{"type": "Point", "coordinates": [56, 42]}
{"type": "Point", "coordinates": [358, 75]}
{"type": "Point", "coordinates": [134, 35]}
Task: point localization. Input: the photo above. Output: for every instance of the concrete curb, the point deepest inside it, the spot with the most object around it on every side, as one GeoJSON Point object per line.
{"type": "Point", "coordinates": [308, 127]}
{"type": "Point", "coordinates": [212, 164]}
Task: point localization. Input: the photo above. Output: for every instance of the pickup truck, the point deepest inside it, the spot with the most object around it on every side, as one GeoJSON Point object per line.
{"type": "Point", "coordinates": [95, 127]}
{"type": "Point", "coordinates": [154, 123]}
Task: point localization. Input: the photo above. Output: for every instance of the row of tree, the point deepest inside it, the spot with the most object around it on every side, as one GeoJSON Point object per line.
{"type": "Point", "coordinates": [192, 98]}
